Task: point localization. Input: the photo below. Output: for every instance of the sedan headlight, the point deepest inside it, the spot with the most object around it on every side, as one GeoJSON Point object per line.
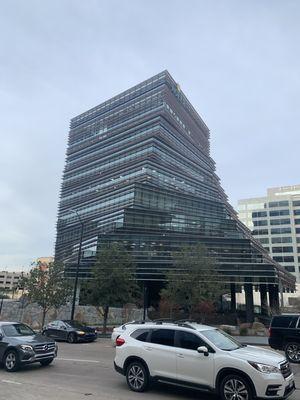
{"type": "Point", "coordinates": [26, 347]}
{"type": "Point", "coordinates": [80, 332]}
{"type": "Point", "coordinates": [266, 369]}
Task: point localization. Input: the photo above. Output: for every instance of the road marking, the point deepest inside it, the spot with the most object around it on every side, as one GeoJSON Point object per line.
{"type": "Point", "coordinates": [78, 360]}
{"type": "Point", "coordinates": [12, 382]}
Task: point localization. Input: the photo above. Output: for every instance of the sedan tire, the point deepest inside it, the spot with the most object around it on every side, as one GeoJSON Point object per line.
{"type": "Point", "coordinates": [72, 338]}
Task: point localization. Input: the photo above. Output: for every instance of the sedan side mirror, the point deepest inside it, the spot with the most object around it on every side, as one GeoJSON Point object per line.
{"type": "Point", "coordinates": [203, 350]}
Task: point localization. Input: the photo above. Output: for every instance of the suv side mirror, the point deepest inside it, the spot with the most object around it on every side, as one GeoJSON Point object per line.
{"type": "Point", "coordinates": [1, 336]}
{"type": "Point", "coordinates": [203, 350]}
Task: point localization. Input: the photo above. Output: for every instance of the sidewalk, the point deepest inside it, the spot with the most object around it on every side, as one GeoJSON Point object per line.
{"type": "Point", "coordinates": [253, 340]}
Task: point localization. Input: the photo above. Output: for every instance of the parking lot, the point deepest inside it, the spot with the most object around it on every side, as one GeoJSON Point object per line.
{"type": "Point", "coordinates": [84, 371]}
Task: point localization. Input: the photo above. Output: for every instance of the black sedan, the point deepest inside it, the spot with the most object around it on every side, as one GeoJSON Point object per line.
{"type": "Point", "coordinates": [20, 345]}
{"type": "Point", "coordinates": [70, 331]}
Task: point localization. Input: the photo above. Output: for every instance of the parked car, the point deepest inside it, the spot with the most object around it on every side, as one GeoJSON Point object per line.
{"type": "Point", "coordinates": [284, 334]}
{"type": "Point", "coordinates": [20, 345]}
{"type": "Point", "coordinates": [70, 331]}
{"type": "Point", "coordinates": [201, 357]}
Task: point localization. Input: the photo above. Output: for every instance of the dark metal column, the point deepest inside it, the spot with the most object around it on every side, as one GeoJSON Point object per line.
{"type": "Point", "coordinates": [264, 299]}
{"type": "Point", "coordinates": [248, 287]}
{"type": "Point", "coordinates": [274, 298]}
{"type": "Point", "coordinates": [233, 297]}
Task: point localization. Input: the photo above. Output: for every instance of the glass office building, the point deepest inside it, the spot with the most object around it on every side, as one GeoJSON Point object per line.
{"type": "Point", "coordinates": [138, 171]}
{"type": "Point", "coordinates": [275, 222]}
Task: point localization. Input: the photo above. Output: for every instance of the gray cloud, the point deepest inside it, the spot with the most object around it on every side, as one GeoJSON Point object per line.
{"type": "Point", "coordinates": [238, 62]}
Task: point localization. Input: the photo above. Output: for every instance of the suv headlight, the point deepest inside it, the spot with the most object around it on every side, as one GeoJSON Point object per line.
{"type": "Point", "coordinates": [266, 369]}
{"type": "Point", "coordinates": [26, 347]}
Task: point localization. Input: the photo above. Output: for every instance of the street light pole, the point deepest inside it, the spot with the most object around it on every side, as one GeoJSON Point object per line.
{"type": "Point", "coordinates": [78, 264]}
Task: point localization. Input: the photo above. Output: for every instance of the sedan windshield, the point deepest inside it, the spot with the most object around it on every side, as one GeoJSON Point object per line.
{"type": "Point", "coordinates": [14, 330]}
{"type": "Point", "coordinates": [222, 340]}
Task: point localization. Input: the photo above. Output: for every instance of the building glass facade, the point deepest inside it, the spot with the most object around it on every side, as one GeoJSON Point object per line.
{"type": "Point", "coordinates": [138, 171]}
{"type": "Point", "coordinates": [275, 222]}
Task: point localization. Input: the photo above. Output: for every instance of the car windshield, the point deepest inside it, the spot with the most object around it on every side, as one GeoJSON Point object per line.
{"type": "Point", "coordinates": [14, 330]}
{"type": "Point", "coordinates": [74, 324]}
{"type": "Point", "coordinates": [222, 340]}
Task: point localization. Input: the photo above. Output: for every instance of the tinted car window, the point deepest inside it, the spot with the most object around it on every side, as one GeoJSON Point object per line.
{"type": "Point", "coordinates": [163, 336]}
{"type": "Point", "coordinates": [187, 340]}
{"type": "Point", "coordinates": [281, 322]}
{"type": "Point", "coordinates": [140, 334]}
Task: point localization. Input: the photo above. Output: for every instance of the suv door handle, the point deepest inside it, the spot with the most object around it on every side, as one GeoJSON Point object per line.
{"type": "Point", "coordinates": [148, 348]}
{"type": "Point", "coordinates": [179, 355]}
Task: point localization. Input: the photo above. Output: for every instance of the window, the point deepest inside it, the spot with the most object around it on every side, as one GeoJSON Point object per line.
{"type": "Point", "coordinates": [262, 222]}
{"type": "Point", "coordinates": [283, 258]}
{"type": "Point", "coordinates": [260, 232]}
{"type": "Point", "coordinates": [258, 214]}
{"type": "Point", "coordinates": [279, 213]}
{"type": "Point", "coordinates": [283, 239]}
{"type": "Point", "coordinates": [282, 221]}
{"type": "Point", "coordinates": [278, 203]}
{"type": "Point", "coordinates": [280, 231]}
{"type": "Point", "coordinates": [297, 221]}
{"type": "Point", "coordinates": [163, 336]}
{"type": "Point", "coordinates": [283, 322]}
{"type": "Point", "coordinates": [290, 268]}
{"type": "Point", "coordinates": [296, 203]}
{"type": "Point", "coordinates": [189, 341]}
{"type": "Point", "coordinates": [297, 230]}
{"type": "Point", "coordinates": [140, 334]}
{"type": "Point", "coordinates": [296, 212]}
{"type": "Point", "coordinates": [221, 339]}
{"type": "Point", "coordinates": [283, 249]}
{"type": "Point", "coordinates": [14, 330]}
{"type": "Point", "coordinates": [264, 240]}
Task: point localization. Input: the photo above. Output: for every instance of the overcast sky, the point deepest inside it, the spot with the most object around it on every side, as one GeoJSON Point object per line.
{"type": "Point", "coordinates": [238, 62]}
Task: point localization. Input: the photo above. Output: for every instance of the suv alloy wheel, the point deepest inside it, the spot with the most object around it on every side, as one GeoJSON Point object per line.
{"type": "Point", "coordinates": [234, 387]}
{"type": "Point", "coordinates": [137, 377]}
{"type": "Point", "coordinates": [292, 352]}
{"type": "Point", "coordinates": [11, 361]}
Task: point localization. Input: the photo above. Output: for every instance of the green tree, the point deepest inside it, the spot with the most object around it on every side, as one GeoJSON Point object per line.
{"type": "Point", "coordinates": [47, 287]}
{"type": "Point", "coordinates": [193, 281]}
{"type": "Point", "coordinates": [113, 280]}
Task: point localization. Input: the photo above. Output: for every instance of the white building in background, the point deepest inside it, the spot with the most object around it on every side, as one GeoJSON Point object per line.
{"type": "Point", "coordinates": [275, 221]}
{"type": "Point", "coordinates": [9, 280]}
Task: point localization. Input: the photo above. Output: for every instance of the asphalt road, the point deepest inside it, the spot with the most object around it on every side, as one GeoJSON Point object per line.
{"type": "Point", "coordinates": [85, 371]}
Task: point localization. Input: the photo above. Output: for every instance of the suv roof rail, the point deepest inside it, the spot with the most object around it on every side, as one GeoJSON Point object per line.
{"type": "Point", "coordinates": [179, 321]}
{"type": "Point", "coordinates": [186, 325]}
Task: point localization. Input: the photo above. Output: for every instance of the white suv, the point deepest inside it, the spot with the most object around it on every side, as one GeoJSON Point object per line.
{"type": "Point", "coordinates": [201, 357]}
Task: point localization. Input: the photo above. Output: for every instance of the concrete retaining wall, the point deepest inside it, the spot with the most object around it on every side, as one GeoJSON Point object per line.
{"type": "Point", "coordinates": [31, 314]}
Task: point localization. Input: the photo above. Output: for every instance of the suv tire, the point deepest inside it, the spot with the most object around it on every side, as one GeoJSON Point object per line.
{"type": "Point", "coordinates": [137, 377]}
{"type": "Point", "coordinates": [72, 338]}
{"type": "Point", "coordinates": [292, 352]}
{"type": "Point", "coordinates": [235, 387]}
{"type": "Point", "coordinates": [11, 361]}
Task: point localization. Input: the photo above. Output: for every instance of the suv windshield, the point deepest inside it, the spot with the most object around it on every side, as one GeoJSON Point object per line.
{"type": "Point", "coordinates": [17, 330]}
{"type": "Point", "coordinates": [222, 340]}
{"type": "Point", "coordinates": [73, 324]}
